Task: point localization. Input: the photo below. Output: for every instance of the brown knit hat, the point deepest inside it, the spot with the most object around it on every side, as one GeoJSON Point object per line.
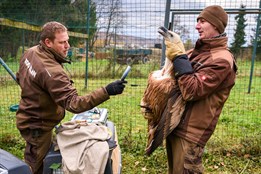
{"type": "Point", "coordinates": [215, 15]}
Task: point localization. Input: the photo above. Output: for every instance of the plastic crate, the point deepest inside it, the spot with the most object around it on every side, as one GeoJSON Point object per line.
{"type": "Point", "coordinates": [54, 157]}
{"type": "Point", "coordinates": [3, 171]}
{"type": "Point", "coordinates": [12, 164]}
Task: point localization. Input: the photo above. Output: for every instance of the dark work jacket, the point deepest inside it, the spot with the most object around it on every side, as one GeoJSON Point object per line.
{"type": "Point", "coordinates": [47, 91]}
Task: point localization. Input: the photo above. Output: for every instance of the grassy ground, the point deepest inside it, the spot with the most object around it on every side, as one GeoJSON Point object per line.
{"type": "Point", "coordinates": [234, 147]}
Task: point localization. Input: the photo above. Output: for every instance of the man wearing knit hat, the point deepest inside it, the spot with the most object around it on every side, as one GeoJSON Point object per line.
{"type": "Point", "coordinates": [205, 76]}
{"type": "Point", "coordinates": [216, 16]}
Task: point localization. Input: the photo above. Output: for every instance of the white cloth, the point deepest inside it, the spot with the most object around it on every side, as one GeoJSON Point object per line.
{"type": "Point", "coordinates": [83, 147]}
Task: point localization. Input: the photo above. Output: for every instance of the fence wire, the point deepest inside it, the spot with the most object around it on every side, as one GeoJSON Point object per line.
{"type": "Point", "coordinates": [123, 32]}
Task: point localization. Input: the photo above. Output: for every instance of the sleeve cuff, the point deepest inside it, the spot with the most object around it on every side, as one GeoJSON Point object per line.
{"type": "Point", "coordinates": [182, 66]}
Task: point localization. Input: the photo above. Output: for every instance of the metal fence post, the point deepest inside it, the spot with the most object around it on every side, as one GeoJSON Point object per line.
{"type": "Point", "coordinates": [166, 23]}
{"type": "Point", "coordinates": [87, 42]}
{"type": "Point", "coordinates": [254, 50]}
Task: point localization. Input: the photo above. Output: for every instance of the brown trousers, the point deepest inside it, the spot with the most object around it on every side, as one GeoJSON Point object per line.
{"type": "Point", "coordinates": [37, 146]}
{"type": "Point", "coordinates": [183, 157]}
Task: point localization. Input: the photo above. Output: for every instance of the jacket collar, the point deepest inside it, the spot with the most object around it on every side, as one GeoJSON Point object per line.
{"type": "Point", "coordinates": [207, 44]}
{"type": "Point", "coordinates": [59, 58]}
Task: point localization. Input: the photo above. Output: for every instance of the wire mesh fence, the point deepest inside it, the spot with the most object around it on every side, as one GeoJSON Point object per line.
{"type": "Point", "coordinates": [123, 32]}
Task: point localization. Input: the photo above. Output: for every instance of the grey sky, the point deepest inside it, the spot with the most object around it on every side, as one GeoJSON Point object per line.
{"type": "Point", "coordinates": [143, 17]}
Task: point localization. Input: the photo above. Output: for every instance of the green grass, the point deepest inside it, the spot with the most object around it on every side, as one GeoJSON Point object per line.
{"type": "Point", "coordinates": [234, 147]}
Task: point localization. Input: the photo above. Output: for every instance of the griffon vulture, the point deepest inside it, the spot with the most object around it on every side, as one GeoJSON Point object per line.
{"type": "Point", "coordinates": [162, 104]}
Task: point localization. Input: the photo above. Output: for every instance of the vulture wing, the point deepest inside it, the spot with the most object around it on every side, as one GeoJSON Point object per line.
{"type": "Point", "coordinates": [168, 122]}
{"type": "Point", "coordinates": [162, 105]}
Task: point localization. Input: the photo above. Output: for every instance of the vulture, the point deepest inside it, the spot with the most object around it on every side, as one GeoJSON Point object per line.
{"type": "Point", "coordinates": [161, 104]}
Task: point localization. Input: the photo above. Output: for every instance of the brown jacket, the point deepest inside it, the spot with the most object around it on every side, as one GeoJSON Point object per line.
{"type": "Point", "coordinates": [47, 91]}
{"type": "Point", "coordinates": [206, 90]}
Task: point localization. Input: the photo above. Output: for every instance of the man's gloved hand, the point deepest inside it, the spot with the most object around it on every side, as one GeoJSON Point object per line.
{"type": "Point", "coordinates": [174, 46]}
{"type": "Point", "coordinates": [115, 87]}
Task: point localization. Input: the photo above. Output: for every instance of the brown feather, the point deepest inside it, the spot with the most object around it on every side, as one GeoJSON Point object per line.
{"type": "Point", "coordinates": [162, 104]}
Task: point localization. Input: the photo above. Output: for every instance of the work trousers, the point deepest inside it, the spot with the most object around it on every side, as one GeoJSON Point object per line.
{"type": "Point", "coordinates": [183, 157]}
{"type": "Point", "coordinates": [38, 143]}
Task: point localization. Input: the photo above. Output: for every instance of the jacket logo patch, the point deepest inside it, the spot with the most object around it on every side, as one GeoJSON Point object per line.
{"type": "Point", "coordinates": [30, 68]}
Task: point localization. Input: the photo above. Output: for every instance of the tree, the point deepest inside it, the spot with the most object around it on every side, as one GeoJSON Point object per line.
{"type": "Point", "coordinates": [239, 35]}
{"type": "Point", "coordinates": [109, 18]}
{"type": "Point", "coordinates": [72, 14]}
{"type": "Point", "coordinates": [181, 29]}
{"type": "Point", "coordinates": [258, 39]}
{"type": "Point", "coordinates": [79, 9]}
